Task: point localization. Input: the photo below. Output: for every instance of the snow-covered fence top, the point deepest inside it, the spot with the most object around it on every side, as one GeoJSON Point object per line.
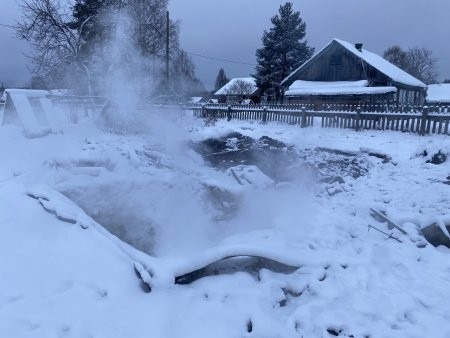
{"type": "Point", "coordinates": [418, 119]}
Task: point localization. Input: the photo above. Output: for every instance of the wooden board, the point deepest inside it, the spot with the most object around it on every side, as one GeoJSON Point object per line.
{"type": "Point", "coordinates": [383, 218]}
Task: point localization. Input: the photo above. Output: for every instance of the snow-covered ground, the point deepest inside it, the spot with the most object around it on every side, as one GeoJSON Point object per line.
{"type": "Point", "coordinates": [65, 197]}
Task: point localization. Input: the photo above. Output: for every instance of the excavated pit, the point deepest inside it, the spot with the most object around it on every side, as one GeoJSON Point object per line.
{"type": "Point", "coordinates": [283, 162]}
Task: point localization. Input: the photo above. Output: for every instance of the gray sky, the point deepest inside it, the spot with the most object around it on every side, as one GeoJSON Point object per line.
{"type": "Point", "coordinates": [232, 29]}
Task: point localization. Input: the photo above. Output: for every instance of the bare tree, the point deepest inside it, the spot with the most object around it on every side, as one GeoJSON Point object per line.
{"type": "Point", "coordinates": [417, 61]}
{"type": "Point", "coordinates": [396, 56]}
{"type": "Point", "coordinates": [241, 89]}
{"type": "Point", "coordinates": [183, 75]}
{"type": "Point", "coordinates": [422, 64]}
{"type": "Point", "coordinates": [46, 24]}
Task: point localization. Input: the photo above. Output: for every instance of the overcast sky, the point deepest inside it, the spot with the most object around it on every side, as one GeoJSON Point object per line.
{"type": "Point", "coordinates": [232, 30]}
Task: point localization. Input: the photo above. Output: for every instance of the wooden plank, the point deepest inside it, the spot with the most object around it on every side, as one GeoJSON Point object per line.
{"type": "Point", "coordinates": [383, 218]}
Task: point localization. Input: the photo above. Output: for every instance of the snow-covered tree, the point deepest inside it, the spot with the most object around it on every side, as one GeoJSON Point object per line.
{"type": "Point", "coordinates": [221, 79]}
{"type": "Point", "coordinates": [284, 49]}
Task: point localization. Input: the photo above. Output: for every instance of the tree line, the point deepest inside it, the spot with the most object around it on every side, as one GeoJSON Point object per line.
{"type": "Point", "coordinates": [77, 44]}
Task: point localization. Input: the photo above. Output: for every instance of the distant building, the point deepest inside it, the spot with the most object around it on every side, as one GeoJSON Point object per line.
{"type": "Point", "coordinates": [238, 89]}
{"type": "Point", "coordinates": [439, 94]}
{"type": "Point", "coordinates": [345, 73]}
{"type": "Point", "coordinates": [197, 100]}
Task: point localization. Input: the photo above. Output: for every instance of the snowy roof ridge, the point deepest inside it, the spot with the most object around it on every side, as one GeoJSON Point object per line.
{"type": "Point", "coordinates": [381, 64]}
{"type": "Point", "coordinates": [393, 72]}
{"type": "Point", "coordinates": [251, 80]}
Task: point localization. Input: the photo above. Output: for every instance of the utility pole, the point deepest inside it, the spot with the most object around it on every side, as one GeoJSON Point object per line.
{"type": "Point", "coordinates": [167, 48]}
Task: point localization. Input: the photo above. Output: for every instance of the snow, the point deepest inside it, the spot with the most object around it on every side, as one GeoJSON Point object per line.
{"type": "Point", "coordinates": [438, 93]}
{"type": "Point", "coordinates": [68, 199]}
{"type": "Point", "coordinates": [195, 99]}
{"type": "Point", "coordinates": [225, 89]}
{"type": "Point", "coordinates": [391, 71]}
{"type": "Point", "coordinates": [301, 87]}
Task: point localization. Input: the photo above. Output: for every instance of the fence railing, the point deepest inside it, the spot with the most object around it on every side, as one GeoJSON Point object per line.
{"type": "Point", "coordinates": [417, 119]}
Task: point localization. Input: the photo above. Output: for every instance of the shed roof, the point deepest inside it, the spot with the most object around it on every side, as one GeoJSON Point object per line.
{"type": "Point", "coordinates": [391, 71]}
{"type": "Point", "coordinates": [438, 93]}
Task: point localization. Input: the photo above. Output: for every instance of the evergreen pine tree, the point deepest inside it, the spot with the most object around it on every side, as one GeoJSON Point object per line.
{"type": "Point", "coordinates": [221, 79]}
{"type": "Point", "coordinates": [283, 50]}
{"type": "Point", "coordinates": [89, 19]}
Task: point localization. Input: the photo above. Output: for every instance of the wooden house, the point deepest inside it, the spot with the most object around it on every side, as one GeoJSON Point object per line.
{"type": "Point", "coordinates": [237, 90]}
{"type": "Point", "coordinates": [345, 73]}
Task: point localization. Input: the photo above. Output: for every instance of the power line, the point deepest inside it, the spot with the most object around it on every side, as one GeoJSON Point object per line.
{"type": "Point", "coordinates": [223, 60]}
{"type": "Point", "coordinates": [194, 54]}
{"type": "Point", "coordinates": [7, 26]}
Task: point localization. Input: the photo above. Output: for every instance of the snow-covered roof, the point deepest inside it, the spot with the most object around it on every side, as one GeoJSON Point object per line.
{"type": "Point", "coordinates": [301, 87]}
{"type": "Point", "coordinates": [195, 99]}
{"type": "Point", "coordinates": [226, 88]}
{"type": "Point", "coordinates": [391, 71]}
{"type": "Point", "coordinates": [384, 66]}
{"type": "Point", "coordinates": [27, 92]}
{"type": "Point", "coordinates": [439, 93]}
{"type": "Point", "coordinates": [59, 92]}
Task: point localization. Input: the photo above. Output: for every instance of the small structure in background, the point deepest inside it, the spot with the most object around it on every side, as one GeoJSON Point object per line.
{"type": "Point", "coordinates": [439, 94]}
{"type": "Point", "coordinates": [31, 109]}
{"type": "Point", "coordinates": [345, 73]}
{"type": "Point", "coordinates": [196, 100]}
{"type": "Point", "coordinates": [237, 90]}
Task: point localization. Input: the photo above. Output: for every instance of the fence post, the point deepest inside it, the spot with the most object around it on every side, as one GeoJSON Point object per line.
{"type": "Point", "coordinates": [303, 124]}
{"type": "Point", "coordinates": [203, 111]}
{"type": "Point", "coordinates": [264, 115]}
{"type": "Point", "coordinates": [358, 118]}
{"type": "Point", "coordinates": [229, 113]}
{"type": "Point", "coordinates": [423, 121]}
